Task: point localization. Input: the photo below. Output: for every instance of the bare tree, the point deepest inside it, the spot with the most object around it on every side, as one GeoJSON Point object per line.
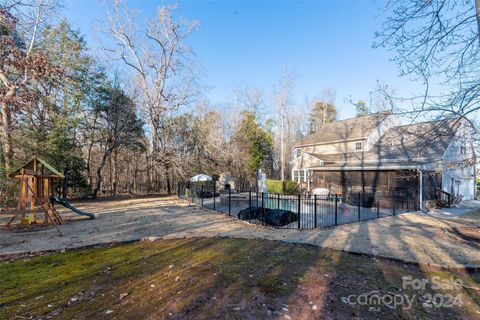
{"type": "Point", "coordinates": [323, 111]}
{"type": "Point", "coordinates": [282, 100]}
{"type": "Point", "coordinates": [437, 42]}
{"type": "Point", "coordinates": [162, 68]}
{"type": "Point", "coordinates": [252, 100]}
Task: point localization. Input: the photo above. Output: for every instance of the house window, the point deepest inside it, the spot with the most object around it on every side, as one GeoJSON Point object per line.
{"type": "Point", "coordinates": [302, 176]}
{"type": "Point", "coordinates": [295, 175]}
{"type": "Point", "coordinates": [392, 143]}
{"type": "Point", "coordinates": [298, 152]}
{"type": "Point", "coordinates": [463, 150]}
{"type": "Point", "coordinates": [358, 145]}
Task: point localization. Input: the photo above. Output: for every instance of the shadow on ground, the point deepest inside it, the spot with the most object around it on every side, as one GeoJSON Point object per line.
{"type": "Point", "coordinates": [218, 278]}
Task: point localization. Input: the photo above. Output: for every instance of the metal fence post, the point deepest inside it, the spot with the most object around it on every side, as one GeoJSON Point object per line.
{"type": "Point", "coordinates": [359, 208]}
{"type": "Point", "coordinates": [393, 201]}
{"type": "Point", "coordinates": [408, 200]}
{"type": "Point", "coordinates": [299, 217]}
{"type": "Point", "coordinates": [336, 210]}
{"type": "Point", "coordinates": [417, 201]}
{"type": "Point", "coordinates": [214, 194]}
{"type": "Point", "coordinates": [250, 206]}
{"type": "Point", "coordinates": [229, 201]}
{"type": "Point", "coordinates": [201, 195]}
{"type": "Point", "coordinates": [263, 210]}
{"type": "Point", "coordinates": [378, 208]}
{"type": "Point", "coordinates": [315, 210]}
{"type": "Point", "coordinates": [278, 201]}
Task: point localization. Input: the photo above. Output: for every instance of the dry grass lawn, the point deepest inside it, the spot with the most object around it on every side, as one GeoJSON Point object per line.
{"type": "Point", "coordinates": [218, 278]}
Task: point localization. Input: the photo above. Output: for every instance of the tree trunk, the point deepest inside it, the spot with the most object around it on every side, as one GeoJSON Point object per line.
{"type": "Point", "coordinates": [132, 182]}
{"type": "Point", "coordinates": [167, 175]}
{"type": "Point", "coordinates": [110, 180]}
{"type": "Point", "coordinates": [89, 166]}
{"type": "Point", "coordinates": [128, 171]}
{"type": "Point", "coordinates": [149, 173]}
{"type": "Point", "coordinates": [65, 184]}
{"type": "Point", "coordinates": [282, 155]}
{"type": "Point", "coordinates": [115, 174]}
{"type": "Point", "coordinates": [6, 137]}
{"type": "Point", "coordinates": [99, 174]}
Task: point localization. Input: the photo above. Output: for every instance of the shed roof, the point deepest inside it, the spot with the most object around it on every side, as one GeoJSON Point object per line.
{"type": "Point", "coordinates": [47, 169]}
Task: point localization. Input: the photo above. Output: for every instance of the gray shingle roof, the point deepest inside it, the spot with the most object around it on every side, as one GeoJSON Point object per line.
{"type": "Point", "coordinates": [348, 129]}
{"type": "Point", "coordinates": [427, 140]}
{"type": "Point", "coordinates": [418, 143]}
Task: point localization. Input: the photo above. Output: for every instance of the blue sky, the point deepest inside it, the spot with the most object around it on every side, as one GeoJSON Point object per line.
{"type": "Point", "coordinates": [325, 43]}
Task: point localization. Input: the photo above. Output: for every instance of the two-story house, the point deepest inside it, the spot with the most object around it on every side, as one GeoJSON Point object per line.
{"type": "Point", "coordinates": [378, 154]}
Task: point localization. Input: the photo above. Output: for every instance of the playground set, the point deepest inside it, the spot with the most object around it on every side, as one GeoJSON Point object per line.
{"type": "Point", "coordinates": [36, 185]}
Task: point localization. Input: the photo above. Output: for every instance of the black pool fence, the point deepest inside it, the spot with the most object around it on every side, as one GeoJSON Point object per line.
{"type": "Point", "coordinates": [301, 211]}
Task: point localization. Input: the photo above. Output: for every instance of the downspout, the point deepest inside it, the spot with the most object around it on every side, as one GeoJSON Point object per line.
{"type": "Point", "coordinates": [420, 195]}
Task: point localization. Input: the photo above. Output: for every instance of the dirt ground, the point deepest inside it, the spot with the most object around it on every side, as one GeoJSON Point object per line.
{"type": "Point", "coordinates": [408, 237]}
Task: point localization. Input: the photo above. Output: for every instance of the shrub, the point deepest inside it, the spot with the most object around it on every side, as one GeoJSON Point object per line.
{"type": "Point", "coordinates": [276, 186]}
{"type": "Point", "coordinates": [289, 186]}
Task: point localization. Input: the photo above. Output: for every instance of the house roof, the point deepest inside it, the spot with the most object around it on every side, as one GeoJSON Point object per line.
{"type": "Point", "coordinates": [427, 140]}
{"type": "Point", "coordinates": [413, 144]}
{"type": "Point", "coordinates": [348, 129]}
{"type": "Point", "coordinates": [48, 169]}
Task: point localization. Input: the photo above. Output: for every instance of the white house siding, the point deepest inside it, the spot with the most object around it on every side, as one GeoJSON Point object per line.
{"type": "Point", "coordinates": [387, 123]}
{"type": "Point", "coordinates": [350, 145]}
{"type": "Point", "coordinates": [306, 161]}
{"type": "Point", "coordinates": [333, 148]}
{"type": "Point", "coordinates": [459, 181]}
{"type": "Point", "coordinates": [458, 176]}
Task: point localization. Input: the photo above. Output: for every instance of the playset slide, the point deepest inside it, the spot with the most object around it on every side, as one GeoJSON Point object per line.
{"type": "Point", "coordinates": [66, 204]}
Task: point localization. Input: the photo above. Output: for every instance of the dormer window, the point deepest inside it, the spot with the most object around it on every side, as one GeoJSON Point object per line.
{"type": "Point", "coordinates": [298, 152]}
{"type": "Point", "coordinates": [392, 144]}
{"type": "Point", "coordinates": [358, 146]}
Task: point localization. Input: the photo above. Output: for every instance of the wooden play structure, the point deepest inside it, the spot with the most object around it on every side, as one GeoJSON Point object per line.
{"type": "Point", "coordinates": [36, 191]}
